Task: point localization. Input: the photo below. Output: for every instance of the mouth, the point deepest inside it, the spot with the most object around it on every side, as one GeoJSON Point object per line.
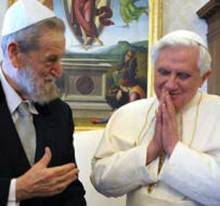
{"type": "Point", "coordinates": [173, 93]}
{"type": "Point", "coordinates": [49, 79]}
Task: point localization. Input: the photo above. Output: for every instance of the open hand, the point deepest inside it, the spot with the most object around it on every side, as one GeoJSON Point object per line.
{"type": "Point", "coordinates": [41, 181]}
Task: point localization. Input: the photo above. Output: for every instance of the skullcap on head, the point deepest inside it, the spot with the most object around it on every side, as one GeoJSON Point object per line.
{"type": "Point", "coordinates": [185, 34]}
{"type": "Point", "coordinates": [24, 13]}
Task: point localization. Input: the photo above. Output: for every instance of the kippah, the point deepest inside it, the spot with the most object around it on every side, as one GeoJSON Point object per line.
{"type": "Point", "coordinates": [24, 13]}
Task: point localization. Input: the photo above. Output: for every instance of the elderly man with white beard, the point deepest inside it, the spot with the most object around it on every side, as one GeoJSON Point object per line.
{"type": "Point", "coordinates": [37, 159]}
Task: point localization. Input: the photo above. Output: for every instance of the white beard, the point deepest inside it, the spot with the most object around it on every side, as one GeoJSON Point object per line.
{"type": "Point", "coordinates": [36, 88]}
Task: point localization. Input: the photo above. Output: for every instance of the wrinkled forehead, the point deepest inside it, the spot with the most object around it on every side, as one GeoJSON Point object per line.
{"type": "Point", "coordinates": [179, 59]}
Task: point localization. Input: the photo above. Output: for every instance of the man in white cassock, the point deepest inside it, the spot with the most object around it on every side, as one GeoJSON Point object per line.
{"type": "Point", "coordinates": [165, 150]}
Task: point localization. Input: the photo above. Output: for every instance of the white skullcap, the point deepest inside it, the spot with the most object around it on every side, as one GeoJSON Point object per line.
{"type": "Point", "coordinates": [24, 13]}
{"type": "Point", "coordinates": [185, 34]}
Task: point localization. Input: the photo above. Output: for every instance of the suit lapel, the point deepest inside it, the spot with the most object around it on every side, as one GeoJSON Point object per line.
{"type": "Point", "coordinates": [9, 140]}
{"type": "Point", "coordinates": [10, 143]}
{"type": "Point", "coordinates": [44, 123]}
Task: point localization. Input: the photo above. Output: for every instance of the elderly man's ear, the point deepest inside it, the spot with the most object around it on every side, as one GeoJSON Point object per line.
{"type": "Point", "coordinates": [206, 75]}
{"type": "Point", "coordinates": [14, 54]}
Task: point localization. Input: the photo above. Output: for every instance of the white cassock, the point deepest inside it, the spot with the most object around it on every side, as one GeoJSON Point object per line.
{"type": "Point", "coordinates": [189, 177]}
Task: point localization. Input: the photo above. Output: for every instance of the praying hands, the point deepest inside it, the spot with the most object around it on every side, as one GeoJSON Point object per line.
{"type": "Point", "coordinates": [166, 132]}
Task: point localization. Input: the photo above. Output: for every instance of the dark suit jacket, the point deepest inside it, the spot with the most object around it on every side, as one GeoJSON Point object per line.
{"type": "Point", "coordinates": [54, 127]}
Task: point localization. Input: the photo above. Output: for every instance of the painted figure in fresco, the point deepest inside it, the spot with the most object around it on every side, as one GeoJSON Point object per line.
{"type": "Point", "coordinates": [129, 11]}
{"type": "Point", "coordinates": [125, 87]}
{"type": "Point", "coordinates": [87, 18]}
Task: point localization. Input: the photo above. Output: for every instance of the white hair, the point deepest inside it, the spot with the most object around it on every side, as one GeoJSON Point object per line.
{"type": "Point", "coordinates": [185, 38]}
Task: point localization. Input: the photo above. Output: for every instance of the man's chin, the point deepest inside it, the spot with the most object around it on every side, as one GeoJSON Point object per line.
{"type": "Point", "coordinates": [47, 98]}
{"type": "Point", "coordinates": [43, 101]}
{"type": "Point", "coordinates": [177, 103]}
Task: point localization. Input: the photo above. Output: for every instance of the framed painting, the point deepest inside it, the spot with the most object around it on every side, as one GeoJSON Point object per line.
{"type": "Point", "coordinates": [107, 63]}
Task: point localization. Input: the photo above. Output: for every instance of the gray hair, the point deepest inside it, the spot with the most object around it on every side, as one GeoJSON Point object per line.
{"type": "Point", "coordinates": [28, 38]}
{"type": "Point", "coordinates": [186, 39]}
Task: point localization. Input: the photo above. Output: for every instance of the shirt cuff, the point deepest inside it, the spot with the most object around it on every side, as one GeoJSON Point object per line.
{"type": "Point", "coordinates": [12, 194]}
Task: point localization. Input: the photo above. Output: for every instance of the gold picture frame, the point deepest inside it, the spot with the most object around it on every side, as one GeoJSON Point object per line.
{"type": "Point", "coordinates": [48, 3]}
{"type": "Point", "coordinates": [155, 32]}
{"type": "Point", "coordinates": [155, 27]}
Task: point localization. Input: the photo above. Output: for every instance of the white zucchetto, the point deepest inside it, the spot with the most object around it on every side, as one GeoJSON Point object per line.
{"type": "Point", "coordinates": [24, 13]}
{"type": "Point", "coordinates": [185, 34]}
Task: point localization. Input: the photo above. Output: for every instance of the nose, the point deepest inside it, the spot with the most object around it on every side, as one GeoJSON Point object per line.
{"type": "Point", "coordinates": [57, 69]}
{"type": "Point", "coordinates": [171, 82]}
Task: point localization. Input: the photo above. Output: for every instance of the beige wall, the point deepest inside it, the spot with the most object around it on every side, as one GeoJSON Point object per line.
{"type": "Point", "coordinates": [182, 15]}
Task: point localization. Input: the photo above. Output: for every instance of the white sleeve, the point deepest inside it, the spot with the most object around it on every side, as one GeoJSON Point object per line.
{"type": "Point", "coordinates": [194, 174]}
{"type": "Point", "coordinates": [122, 172]}
{"type": "Point", "coordinates": [12, 194]}
{"type": "Point", "coordinates": [119, 164]}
